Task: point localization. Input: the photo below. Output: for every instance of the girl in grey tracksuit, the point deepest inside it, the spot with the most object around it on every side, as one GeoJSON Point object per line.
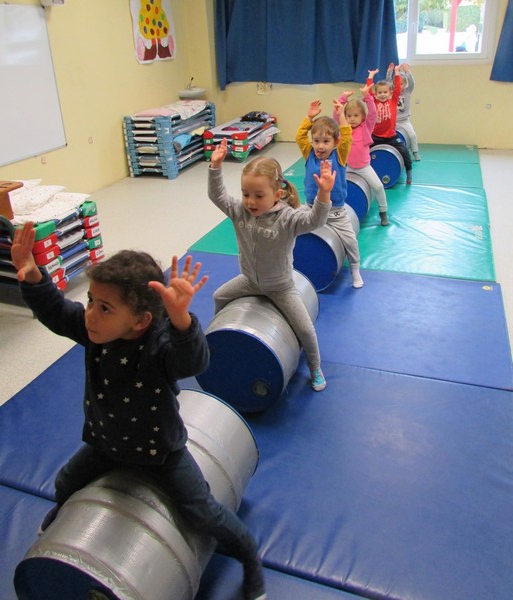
{"type": "Point", "coordinates": [267, 221]}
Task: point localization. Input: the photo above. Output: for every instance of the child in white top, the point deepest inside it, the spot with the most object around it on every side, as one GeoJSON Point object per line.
{"type": "Point", "coordinates": [404, 105]}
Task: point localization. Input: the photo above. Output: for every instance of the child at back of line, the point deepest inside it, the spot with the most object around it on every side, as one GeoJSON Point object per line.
{"type": "Point", "coordinates": [267, 222]}
{"type": "Point", "coordinates": [361, 117]}
{"type": "Point", "coordinates": [386, 99]}
{"type": "Point", "coordinates": [404, 105]}
{"type": "Point", "coordinates": [139, 339]}
{"type": "Point", "coordinates": [330, 141]}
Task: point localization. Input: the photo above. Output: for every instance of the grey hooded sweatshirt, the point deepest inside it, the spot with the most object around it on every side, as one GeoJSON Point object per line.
{"type": "Point", "coordinates": [266, 242]}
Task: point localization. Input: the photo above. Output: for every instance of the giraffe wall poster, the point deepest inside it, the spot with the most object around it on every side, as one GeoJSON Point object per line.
{"type": "Point", "coordinates": [154, 32]}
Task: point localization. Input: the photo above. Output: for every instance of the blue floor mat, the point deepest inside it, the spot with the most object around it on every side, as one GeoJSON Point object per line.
{"type": "Point", "coordinates": [387, 486]}
{"type": "Point", "coordinates": [425, 326]}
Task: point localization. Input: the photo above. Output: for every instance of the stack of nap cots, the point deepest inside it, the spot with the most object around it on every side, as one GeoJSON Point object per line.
{"type": "Point", "coordinates": [63, 247]}
{"type": "Point", "coordinates": [253, 130]}
{"type": "Point", "coordinates": [165, 144]}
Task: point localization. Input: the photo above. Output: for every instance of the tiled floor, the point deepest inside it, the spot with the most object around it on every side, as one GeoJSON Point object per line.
{"type": "Point", "coordinates": [165, 217]}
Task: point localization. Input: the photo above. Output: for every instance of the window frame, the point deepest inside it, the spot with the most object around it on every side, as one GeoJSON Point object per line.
{"type": "Point", "coordinates": [488, 44]}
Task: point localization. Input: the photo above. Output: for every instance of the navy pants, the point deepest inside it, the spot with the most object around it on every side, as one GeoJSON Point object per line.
{"type": "Point", "coordinates": [396, 142]}
{"type": "Point", "coordinates": [181, 479]}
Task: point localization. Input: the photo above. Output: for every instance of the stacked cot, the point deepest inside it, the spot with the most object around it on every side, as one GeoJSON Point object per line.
{"type": "Point", "coordinates": [64, 246]}
{"type": "Point", "coordinates": [162, 142]}
{"type": "Point", "coordinates": [252, 131]}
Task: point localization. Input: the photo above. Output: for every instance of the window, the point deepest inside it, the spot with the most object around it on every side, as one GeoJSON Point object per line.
{"type": "Point", "coordinates": [448, 30]}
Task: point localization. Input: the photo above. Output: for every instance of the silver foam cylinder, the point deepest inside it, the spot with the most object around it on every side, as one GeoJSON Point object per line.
{"type": "Point", "coordinates": [253, 350]}
{"type": "Point", "coordinates": [120, 538]}
{"type": "Point", "coordinates": [320, 254]}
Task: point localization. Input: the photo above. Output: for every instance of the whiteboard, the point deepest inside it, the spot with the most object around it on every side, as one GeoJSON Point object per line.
{"type": "Point", "coordinates": [30, 112]}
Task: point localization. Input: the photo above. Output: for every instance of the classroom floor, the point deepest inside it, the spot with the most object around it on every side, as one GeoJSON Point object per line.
{"type": "Point", "coordinates": [166, 217]}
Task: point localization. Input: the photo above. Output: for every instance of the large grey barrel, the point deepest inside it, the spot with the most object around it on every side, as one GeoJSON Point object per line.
{"type": "Point", "coordinates": [253, 350]}
{"type": "Point", "coordinates": [120, 538]}
{"type": "Point", "coordinates": [320, 254]}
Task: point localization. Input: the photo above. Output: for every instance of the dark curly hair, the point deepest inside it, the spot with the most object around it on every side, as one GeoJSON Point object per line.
{"type": "Point", "coordinates": [130, 271]}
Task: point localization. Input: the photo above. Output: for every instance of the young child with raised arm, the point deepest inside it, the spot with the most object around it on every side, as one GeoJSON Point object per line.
{"type": "Point", "coordinates": [386, 99]}
{"type": "Point", "coordinates": [139, 339]}
{"type": "Point", "coordinates": [404, 104]}
{"type": "Point", "coordinates": [267, 221]}
{"type": "Point", "coordinates": [361, 116]}
{"type": "Point", "coordinates": [330, 141]}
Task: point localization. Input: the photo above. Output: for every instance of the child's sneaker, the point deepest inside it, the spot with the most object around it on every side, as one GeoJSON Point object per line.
{"type": "Point", "coordinates": [254, 586]}
{"type": "Point", "coordinates": [408, 177]}
{"type": "Point", "coordinates": [318, 380]}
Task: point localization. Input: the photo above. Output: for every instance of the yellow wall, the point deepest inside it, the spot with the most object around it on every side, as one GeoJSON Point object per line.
{"type": "Point", "coordinates": [100, 81]}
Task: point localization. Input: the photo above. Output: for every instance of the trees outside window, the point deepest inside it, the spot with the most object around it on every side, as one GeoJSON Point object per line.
{"type": "Point", "coordinates": [449, 30]}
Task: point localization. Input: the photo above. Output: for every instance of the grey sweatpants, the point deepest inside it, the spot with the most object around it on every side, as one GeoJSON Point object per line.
{"type": "Point", "coordinates": [290, 304]}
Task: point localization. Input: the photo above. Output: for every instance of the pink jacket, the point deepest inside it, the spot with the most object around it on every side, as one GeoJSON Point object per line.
{"type": "Point", "coordinates": [359, 155]}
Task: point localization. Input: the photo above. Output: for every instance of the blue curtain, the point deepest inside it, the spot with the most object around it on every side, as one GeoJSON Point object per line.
{"type": "Point", "coordinates": [502, 69]}
{"type": "Point", "coordinates": [303, 41]}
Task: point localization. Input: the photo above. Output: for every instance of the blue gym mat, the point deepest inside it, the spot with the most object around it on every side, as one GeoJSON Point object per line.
{"type": "Point", "coordinates": [425, 326]}
{"type": "Point", "coordinates": [387, 486]}
{"type": "Point", "coordinates": [384, 485]}
{"type": "Point", "coordinates": [20, 517]}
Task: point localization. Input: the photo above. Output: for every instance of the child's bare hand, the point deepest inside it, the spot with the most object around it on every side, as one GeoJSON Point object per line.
{"type": "Point", "coordinates": [372, 73]}
{"type": "Point", "coordinates": [22, 256]}
{"type": "Point", "coordinates": [348, 93]}
{"type": "Point", "coordinates": [219, 154]}
{"type": "Point", "coordinates": [314, 109]}
{"type": "Point", "coordinates": [338, 107]}
{"type": "Point", "coordinates": [178, 296]}
{"type": "Point", "coordinates": [365, 90]}
{"type": "Point", "coordinates": [326, 178]}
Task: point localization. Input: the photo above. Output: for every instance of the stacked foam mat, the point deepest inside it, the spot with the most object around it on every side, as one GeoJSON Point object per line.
{"type": "Point", "coordinates": [395, 482]}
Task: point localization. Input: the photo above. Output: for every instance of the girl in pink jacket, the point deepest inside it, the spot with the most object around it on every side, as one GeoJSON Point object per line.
{"type": "Point", "coordinates": [361, 116]}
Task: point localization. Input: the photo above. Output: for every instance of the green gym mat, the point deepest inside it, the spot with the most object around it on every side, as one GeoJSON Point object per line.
{"type": "Point", "coordinates": [450, 174]}
{"type": "Point", "coordinates": [220, 240]}
{"type": "Point", "coordinates": [449, 153]}
{"type": "Point", "coordinates": [438, 203]}
{"type": "Point", "coordinates": [438, 228]}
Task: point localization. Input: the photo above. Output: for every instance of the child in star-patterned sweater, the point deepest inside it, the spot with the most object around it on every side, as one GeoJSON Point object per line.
{"type": "Point", "coordinates": [139, 339]}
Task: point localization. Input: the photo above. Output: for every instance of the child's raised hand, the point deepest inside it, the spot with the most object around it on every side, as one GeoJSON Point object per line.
{"type": "Point", "coordinates": [348, 93]}
{"type": "Point", "coordinates": [178, 296]}
{"type": "Point", "coordinates": [338, 107]}
{"type": "Point", "coordinates": [326, 178]}
{"type": "Point", "coordinates": [365, 90]}
{"type": "Point", "coordinates": [372, 73]}
{"type": "Point", "coordinates": [219, 154]}
{"type": "Point", "coordinates": [314, 109]}
{"type": "Point", "coordinates": [22, 256]}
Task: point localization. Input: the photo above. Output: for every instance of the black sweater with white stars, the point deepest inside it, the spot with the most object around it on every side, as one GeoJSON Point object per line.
{"type": "Point", "coordinates": [130, 401]}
